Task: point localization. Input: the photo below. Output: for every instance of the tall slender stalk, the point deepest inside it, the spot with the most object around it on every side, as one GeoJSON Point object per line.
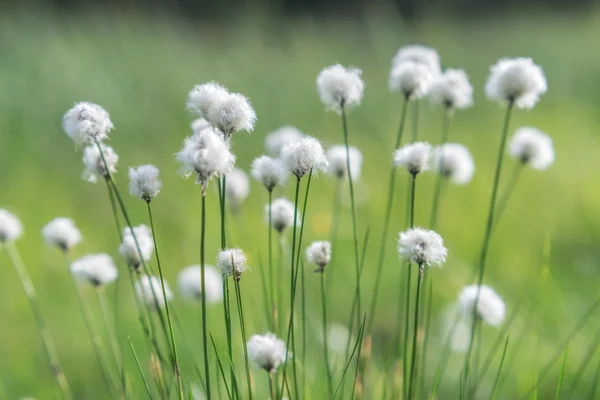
{"type": "Point", "coordinates": [428, 307]}
{"type": "Point", "coordinates": [47, 339]}
{"type": "Point", "coordinates": [415, 121]}
{"type": "Point", "coordinates": [271, 295]}
{"type": "Point", "coordinates": [325, 338]}
{"type": "Point", "coordinates": [303, 324]}
{"type": "Point", "coordinates": [413, 369]}
{"type": "Point", "coordinates": [335, 223]}
{"type": "Point", "coordinates": [137, 361]}
{"type": "Point", "coordinates": [109, 329]}
{"type": "Point", "coordinates": [439, 179]}
{"type": "Point", "coordinates": [488, 232]}
{"type": "Point", "coordinates": [162, 282]}
{"type": "Point", "coordinates": [272, 386]}
{"type": "Point", "coordinates": [507, 193]}
{"type": "Point", "coordinates": [499, 369]}
{"type": "Point", "coordinates": [203, 294]}
{"type": "Point", "coordinates": [238, 295]}
{"type": "Point", "coordinates": [386, 220]}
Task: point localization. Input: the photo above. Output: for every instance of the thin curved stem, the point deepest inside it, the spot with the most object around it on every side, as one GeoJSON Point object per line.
{"type": "Point", "coordinates": [110, 332]}
{"type": "Point", "coordinates": [203, 299]}
{"type": "Point", "coordinates": [439, 179]}
{"type": "Point", "coordinates": [333, 234]}
{"type": "Point", "coordinates": [325, 338]}
{"type": "Point", "coordinates": [238, 295]}
{"type": "Point", "coordinates": [271, 281]}
{"type": "Point", "coordinates": [506, 194]}
{"type": "Point", "coordinates": [413, 369]}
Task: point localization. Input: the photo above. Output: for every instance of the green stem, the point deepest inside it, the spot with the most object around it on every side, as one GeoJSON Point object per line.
{"type": "Point", "coordinates": [415, 122]}
{"type": "Point", "coordinates": [428, 306]}
{"type": "Point", "coordinates": [499, 369]}
{"type": "Point", "coordinates": [272, 386]}
{"type": "Point", "coordinates": [325, 339]}
{"type": "Point", "coordinates": [238, 295]}
{"type": "Point", "coordinates": [303, 322]}
{"type": "Point", "coordinates": [413, 369]}
{"type": "Point", "coordinates": [333, 234]}
{"type": "Point", "coordinates": [164, 292]}
{"type": "Point", "coordinates": [386, 220]}
{"type": "Point", "coordinates": [203, 289]}
{"type": "Point", "coordinates": [110, 332]}
{"type": "Point", "coordinates": [406, 331]}
{"type": "Point", "coordinates": [439, 179]}
{"type": "Point", "coordinates": [137, 362]}
{"type": "Point", "coordinates": [507, 193]}
{"type": "Point", "coordinates": [220, 366]}
{"type": "Point", "coordinates": [271, 281]}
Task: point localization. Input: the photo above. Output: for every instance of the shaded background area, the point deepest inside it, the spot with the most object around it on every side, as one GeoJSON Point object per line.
{"type": "Point", "coordinates": [140, 59]}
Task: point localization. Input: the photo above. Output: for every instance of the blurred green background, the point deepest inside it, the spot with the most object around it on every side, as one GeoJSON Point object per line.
{"type": "Point", "coordinates": [140, 67]}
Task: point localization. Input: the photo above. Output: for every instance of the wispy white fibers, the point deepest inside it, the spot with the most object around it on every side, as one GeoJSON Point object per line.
{"type": "Point", "coordinates": [304, 155]}
{"type": "Point", "coordinates": [340, 87]}
{"type": "Point", "coordinates": [419, 54]}
{"type": "Point", "coordinates": [319, 253]}
{"type": "Point", "coordinates": [199, 124]}
{"type": "Point", "coordinates": [338, 166]}
{"type": "Point", "coordinates": [94, 165]}
{"type": "Point", "coordinates": [146, 288]}
{"type": "Point", "coordinates": [232, 113]}
{"type": "Point", "coordinates": [415, 157]}
{"type": "Point", "coordinates": [422, 247]}
{"type": "Point", "coordinates": [202, 97]}
{"type": "Point", "coordinates": [207, 155]}
{"type": "Point", "coordinates": [266, 351]}
{"type": "Point", "coordinates": [238, 187]}
{"type": "Point", "coordinates": [280, 137]}
{"type": "Point", "coordinates": [269, 171]}
{"type": "Point", "coordinates": [454, 161]}
{"type": "Point", "coordinates": [144, 182]}
{"type": "Point", "coordinates": [282, 214]}
{"type": "Point", "coordinates": [62, 233]}
{"type": "Point", "coordinates": [95, 269]}
{"type": "Point", "coordinates": [232, 262]}
{"type": "Point", "coordinates": [10, 226]}
{"type": "Point", "coordinates": [532, 147]}
{"type": "Point", "coordinates": [190, 283]}
{"type": "Point", "coordinates": [516, 79]}
{"type": "Point", "coordinates": [87, 123]}
{"type": "Point", "coordinates": [129, 250]}
{"type": "Point", "coordinates": [452, 90]}
{"type": "Point", "coordinates": [490, 307]}
{"type": "Point", "coordinates": [410, 78]}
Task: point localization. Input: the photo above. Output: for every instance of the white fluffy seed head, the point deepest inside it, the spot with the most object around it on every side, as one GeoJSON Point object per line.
{"type": "Point", "coordinates": [144, 182]}
{"type": "Point", "coordinates": [62, 233]}
{"type": "Point", "coordinates": [207, 155]}
{"type": "Point", "coordinates": [338, 166]}
{"type": "Point", "coordinates": [202, 97]}
{"type": "Point", "coordinates": [410, 78]}
{"type": "Point", "coordinates": [304, 155]}
{"type": "Point", "coordinates": [266, 351]}
{"type": "Point", "coordinates": [280, 137]}
{"type": "Point", "coordinates": [232, 113]}
{"type": "Point", "coordinates": [269, 171]}
{"type": "Point", "coordinates": [238, 187]}
{"type": "Point", "coordinates": [532, 147]}
{"type": "Point", "coordinates": [94, 167]}
{"type": "Point", "coordinates": [422, 247]}
{"type": "Point", "coordinates": [129, 250]}
{"type": "Point", "coordinates": [232, 262]}
{"type": "Point", "coordinates": [419, 54]}
{"type": "Point", "coordinates": [452, 90]}
{"type": "Point", "coordinates": [454, 161]}
{"type": "Point", "coordinates": [319, 253]}
{"type": "Point", "coordinates": [340, 87]}
{"type": "Point", "coordinates": [87, 123]}
{"type": "Point", "coordinates": [516, 79]}
{"type": "Point", "coordinates": [10, 226]}
{"type": "Point", "coordinates": [415, 157]}
{"type": "Point", "coordinates": [190, 283]}
{"type": "Point", "coordinates": [199, 124]}
{"type": "Point", "coordinates": [149, 290]}
{"type": "Point", "coordinates": [95, 269]}
{"type": "Point", "coordinates": [337, 338]}
{"type": "Point", "coordinates": [490, 307]}
{"type": "Point", "coordinates": [282, 214]}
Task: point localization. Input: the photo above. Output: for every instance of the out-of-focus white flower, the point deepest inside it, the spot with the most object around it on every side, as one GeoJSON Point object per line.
{"type": "Point", "coordinates": [94, 165]}
{"type": "Point", "coordinates": [280, 137]}
{"type": "Point", "coordinates": [129, 250]}
{"type": "Point", "coordinates": [337, 338]}
{"type": "Point", "coordinates": [62, 233]}
{"type": "Point", "coordinates": [516, 79]}
{"type": "Point", "coordinates": [422, 247]}
{"type": "Point", "coordinates": [207, 155]}
{"type": "Point", "coordinates": [340, 87]}
{"type": "Point", "coordinates": [304, 155]}
{"type": "Point", "coordinates": [87, 123]}
{"type": "Point", "coordinates": [269, 171]}
{"type": "Point", "coordinates": [190, 283]}
{"type": "Point", "coordinates": [454, 161]}
{"type": "Point", "coordinates": [266, 351]}
{"type": "Point", "coordinates": [149, 289]}
{"type": "Point", "coordinates": [144, 182]}
{"type": "Point", "coordinates": [411, 79]}
{"type": "Point", "coordinates": [95, 269]}
{"type": "Point", "coordinates": [532, 147]}
{"type": "Point", "coordinates": [232, 113]}
{"type": "Point", "coordinates": [319, 253]}
{"type": "Point", "coordinates": [282, 214]}
{"type": "Point", "coordinates": [456, 329]}
{"type": "Point", "coordinates": [232, 262]}
{"type": "Point", "coordinates": [452, 89]}
{"type": "Point", "coordinates": [238, 187]}
{"type": "Point", "coordinates": [10, 226]}
{"type": "Point", "coordinates": [421, 55]}
{"type": "Point", "coordinates": [336, 156]}
{"type": "Point", "coordinates": [490, 307]}
{"type": "Point", "coordinates": [199, 124]}
{"type": "Point", "coordinates": [415, 157]}
{"type": "Point", "coordinates": [202, 97]}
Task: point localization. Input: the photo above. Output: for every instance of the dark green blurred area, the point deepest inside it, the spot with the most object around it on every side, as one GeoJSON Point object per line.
{"type": "Point", "coordinates": [140, 66]}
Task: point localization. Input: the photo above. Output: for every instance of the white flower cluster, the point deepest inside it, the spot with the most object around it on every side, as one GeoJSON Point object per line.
{"type": "Point", "coordinates": [454, 161]}
{"type": "Point", "coordinates": [190, 283]}
{"type": "Point", "coordinates": [517, 80]}
{"type": "Point", "coordinates": [319, 253]}
{"type": "Point", "coordinates": [280, 137]}
{"type": "Point", "coordinates": [414, 69]}
{"type": "Point", "coordinates": [415, 157]}
{"type": "Point", "coordinates": [144, 182]}
{"type": "Point", "coordinates": [149, 289]}
{"type": "Point", "coordinates": [422, 247]}
{"type": "Point", "coordinates": [421, 55]}
{"type": "Point", "coordinates": [340, 87]}
{"type": "Point", "coordinates": [338, 166]}
{"type": "Point", "coordinates": [232, 262]}
{"type": "Point", "coordinates": [62, 233]}
{"type": "Point", "coordinates": [303, 156]}
{"type": "Point", "coordinates": [269, 171]}
{"type": "Point", "coordinates": [237, 188]}
{"type": "Point", "coordinates": [282, 215]}
{"type": "Point", "coordinates": [129, 249]}
{"type": "Point", "coordinates": [94, 163]}
{"type": "Point", "coordinates": [87, 123]}
{"type": "Point", "coordinates": [532, 147]}
{"type": "Point", "coordinates": [490, 307]}
{"type": "Point", "coordinates": [10, 226]}
{"type": "Point", "coordinates": [266, 351]}
{"type": "Point", "coordinates": [95, 269]}
{"type": "Point", "coordinates": [452, 89]}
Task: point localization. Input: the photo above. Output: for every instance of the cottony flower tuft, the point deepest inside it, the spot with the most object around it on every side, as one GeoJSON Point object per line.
{"type": "Point", "coordinates": [280, 137]}
{"type": "Point", "coordinates": [10, 226]}
{"type": "Point", "coordinates": [410, 78]}
{"type": "Point", "coordinates": [202, 97]}
{"type": "Point", "coordinates": [94, 164]}
{"type": "Point", "coordinates": [232, 262]}
{"type": "Point", "coordinates": [266, 351]}
{"type": "Point", "coordinates": [490, 307]}
{"type": "Point", "coordinates": [282, 214]}
{"type": "Point", "coordinates": [144, 182]}
{"type": "Point", "coordinates": [238, 187]}
{"type": "Point", "coordinates": [303, 156]}
{"type": "Point", "coordinates": [129, 249]}
{"type": "Point", "coordinates": [415, 157]}
{"type": "Point", "coordinates": [269, 171]}
{"type": "Point", "coordinates": [62, 233]}
{"type": "Point", "coordinates": [516, 80]}
{"type": "Point", "coordinates": [454, 161]}
{"type": "Point", "coordinates": [190, 283]}
{"type": "Point", "coordinates": [149, 289]}
{"type": "Point", "coordinates": [319, 253]}
{"type": "Point", "coordinates": [420, 55]}
{"type": "Point", "coordinates": [95, 269]}
{"type": "Point", "coordinates": [338, 166]}
{"type": "Point", "coordinates": [199, 124]}
{"type": "Point", "coordinates": [340, 87]}
{"type": "Point", "coordinates": [422, 247]}
{"type": "Point", "coordinates": [87, 123]}
{"type": "Point", "coordinates": [232, 113]}
{"type": "Point", "coordinates": [452, 89]}
{"type": "Point", "coordinates": [532, 147]}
